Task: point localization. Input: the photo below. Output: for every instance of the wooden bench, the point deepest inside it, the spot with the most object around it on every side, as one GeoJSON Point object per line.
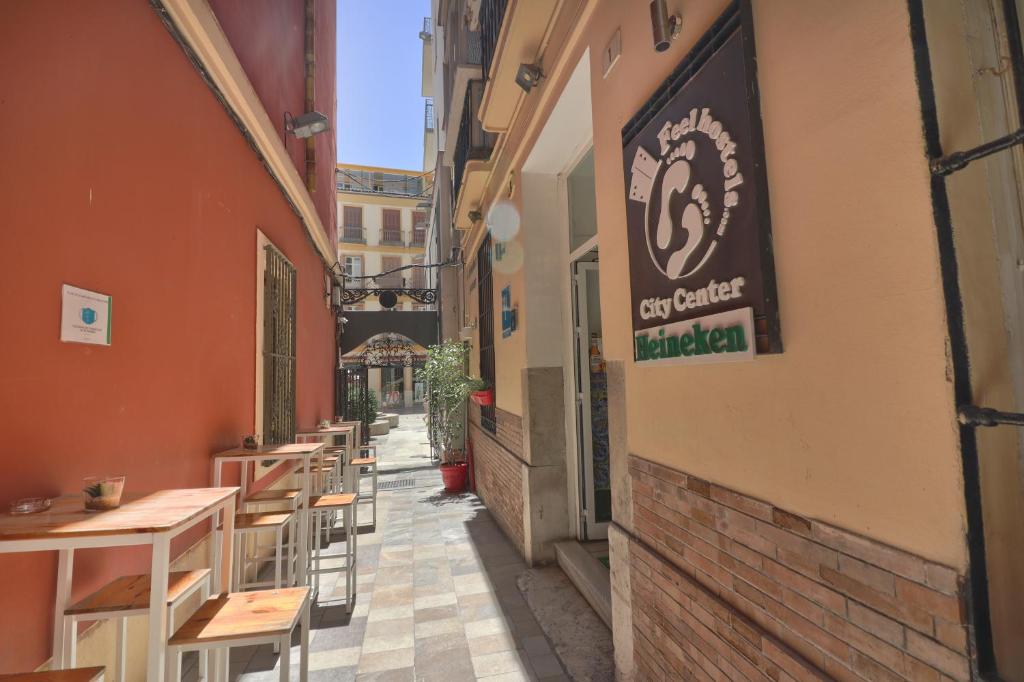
{"type": "Point", "coordinates": [246, 619]}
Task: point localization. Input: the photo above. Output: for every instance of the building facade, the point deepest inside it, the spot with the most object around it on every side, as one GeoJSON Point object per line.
{"type": "Point", "coordinates": [155, 165]}
{"type": "Point", "coordinates": [383, 216]}
{"type": "Point", "coordinates": [735, 301]}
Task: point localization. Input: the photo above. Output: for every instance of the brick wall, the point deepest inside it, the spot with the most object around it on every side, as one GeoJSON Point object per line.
{"type": "Point", "coordinates": [727, 585]}
{"type": "Point", "coordinates": [498, 470]}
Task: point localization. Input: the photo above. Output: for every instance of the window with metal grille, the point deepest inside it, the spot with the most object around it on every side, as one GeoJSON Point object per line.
{"type": "Point", "coordinates": [486, 315]}
{"type": "Point", "coordinates": [278, 348]}
{"type": "Point", "coordinates": [352, 223]}
{"type": "Point", "coordinates": [392, 233]}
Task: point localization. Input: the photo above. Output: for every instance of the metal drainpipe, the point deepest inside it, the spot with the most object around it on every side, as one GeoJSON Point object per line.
{"type": "Point", "coordinates": [310, 149]}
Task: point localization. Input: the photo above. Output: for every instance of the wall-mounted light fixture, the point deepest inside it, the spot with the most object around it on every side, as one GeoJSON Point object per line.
{"type": "Point", "coordinates": [528, 76]}
{"type": "Point", "coordinates": [306, 125]}
{"type": "Point", "coordinates": [664, 27]}
{"type": "Point", "coordinates": [336, 296]}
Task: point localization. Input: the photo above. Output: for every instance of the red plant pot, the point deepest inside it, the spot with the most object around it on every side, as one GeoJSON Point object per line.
{"type": "Point", "coordinates": [483, 398]}
{"type": "Point", "coordinates": [454, 477]}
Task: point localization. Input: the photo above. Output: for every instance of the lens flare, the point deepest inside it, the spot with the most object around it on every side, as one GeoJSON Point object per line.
{"type": "Point", "coordinates": [503, 221]}
{"type": "Point", "coordinates": [507, 257]}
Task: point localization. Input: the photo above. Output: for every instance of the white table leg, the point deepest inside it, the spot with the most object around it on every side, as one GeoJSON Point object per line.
{"type": "Point", "coordinates": [62, 637]}
{"type": "Point", "coordinates": [304, 515]}
{"type": "Point", "coordinates": [122, 645]}
{"type": "Point", "coordinates": [216, 557]}
{"type": "Point", "coordinates": [156, 652]}
{"type": "Point", "coordinates": [284, 661]}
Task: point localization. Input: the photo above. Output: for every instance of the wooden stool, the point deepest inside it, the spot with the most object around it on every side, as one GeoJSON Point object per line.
{"type": "Point", "coordinates": [129, 596]}
{"type": "Point", "coordinates": [251, 524]}
{"type": "Point", "coordinates": [291, 498]}
{"type": "Point", "coordinates": [322, 506]}
{"type": "Point", "coordinates": [356, 467]}
{"type": "Point", "coordinates": [245, 619]}
{"type": "Point", "coordinates": [72, 675]}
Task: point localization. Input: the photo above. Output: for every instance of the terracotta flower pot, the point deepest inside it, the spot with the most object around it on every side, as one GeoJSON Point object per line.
{"type": "Point", "coordinates": [454, 477]}
{"type": "Point", "coordinates": [483, 398]}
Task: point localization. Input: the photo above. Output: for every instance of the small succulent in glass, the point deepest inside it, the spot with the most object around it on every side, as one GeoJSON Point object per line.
{"type": "Point", "coordinates": [102, 492]}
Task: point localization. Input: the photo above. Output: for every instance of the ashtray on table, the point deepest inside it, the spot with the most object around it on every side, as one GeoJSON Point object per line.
{"type": "Point", "coordinates": [30, 505]}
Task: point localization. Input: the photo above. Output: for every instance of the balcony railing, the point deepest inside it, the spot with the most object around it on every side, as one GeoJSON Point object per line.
{"type": "Point", "coordinates": [419, 236]}
{"type": "Point", "coordinates": [474, 143]}
{"type": "Point", "coordinates": [353, 234]}
{"type": "Point", "coordinates": [391, 236]}
{"type": "Point", "coordinates": [492, 13]}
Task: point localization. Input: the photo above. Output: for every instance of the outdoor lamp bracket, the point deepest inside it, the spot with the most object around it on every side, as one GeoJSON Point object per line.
{"type": "Point", "coordinates": [665, 27]}
{"type": "Point", "coordinates": [528, 76]}
{"type": "Point", "coordinates": [306, 125]}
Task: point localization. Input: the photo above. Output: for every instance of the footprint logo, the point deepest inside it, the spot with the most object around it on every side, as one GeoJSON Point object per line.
{"type": "Point", "coordinates": [695, 217]}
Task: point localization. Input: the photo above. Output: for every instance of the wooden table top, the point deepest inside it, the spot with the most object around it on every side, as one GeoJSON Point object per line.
{"type": "Point", "coordinates": [73, 675]}
{"type": "Point", "coordinates": [336, 428]}
{"type": "Point", "coordinates": [271, 451]}
{"type": "Point", "coordinates": [157, 512]}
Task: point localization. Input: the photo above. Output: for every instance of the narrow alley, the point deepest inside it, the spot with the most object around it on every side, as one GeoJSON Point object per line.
{"type": "Point", "coordinates": [437, 594]}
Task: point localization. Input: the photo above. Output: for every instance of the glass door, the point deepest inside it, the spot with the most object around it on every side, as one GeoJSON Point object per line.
{"type": "Point", "coordinates": [591, 385]}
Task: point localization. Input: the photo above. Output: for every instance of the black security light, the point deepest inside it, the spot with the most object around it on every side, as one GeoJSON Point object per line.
{"type": "Point", "coordinates": [306, 125]}
{"type": "Point", "coordinates": [528, 76]}
{"type": "Point", "coordinates": [664, 27]}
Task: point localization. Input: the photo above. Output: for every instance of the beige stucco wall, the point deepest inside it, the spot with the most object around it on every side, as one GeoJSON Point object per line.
{"type": "Point", "coordinates": [854, 423]}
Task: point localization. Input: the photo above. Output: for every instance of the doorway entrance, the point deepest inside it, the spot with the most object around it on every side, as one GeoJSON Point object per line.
{"type": "Point", "coordinates": [590, 380]}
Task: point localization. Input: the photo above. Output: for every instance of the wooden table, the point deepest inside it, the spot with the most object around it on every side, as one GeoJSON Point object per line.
{"type": "Point", "coordinates": [348, 430]}
{"type": "Point", "coordinates": [295, 451]}
{"type": "Point", "coordinates": [152, 519]}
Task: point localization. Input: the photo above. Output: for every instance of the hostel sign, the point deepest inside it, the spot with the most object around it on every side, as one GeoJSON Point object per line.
{"type": "Point", "coordinates": [701, 270]}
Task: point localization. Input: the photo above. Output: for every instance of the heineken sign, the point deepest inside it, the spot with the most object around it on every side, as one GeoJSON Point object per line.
{"type": "Point", "coordinates": [701, 270]}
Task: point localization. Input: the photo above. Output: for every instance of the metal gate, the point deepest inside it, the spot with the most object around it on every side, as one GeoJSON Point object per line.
{"type": "Point", "coordinates": [352, 395]}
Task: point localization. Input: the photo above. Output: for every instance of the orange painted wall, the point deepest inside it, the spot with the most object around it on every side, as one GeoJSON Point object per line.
{"type": "Point", "coordinates": [122, 173]}
{"type": "Point", "coordinates": [269, 38]}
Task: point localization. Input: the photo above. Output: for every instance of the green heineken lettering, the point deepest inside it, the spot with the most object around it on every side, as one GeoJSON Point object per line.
{"type": "Point", "coordinates": [700, 337]}
{"type": "Point", "coordinates": [641, 347]}
{"type": "Point", "coordinates": [696, 341]}
{"type": "Point", "coordinates": [735, 340]}
{"type": "Point", "coordinates": [686, 344]}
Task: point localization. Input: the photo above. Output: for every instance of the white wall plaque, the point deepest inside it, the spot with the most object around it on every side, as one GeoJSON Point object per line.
{"type": "Point", "coordinates": [84, 316]}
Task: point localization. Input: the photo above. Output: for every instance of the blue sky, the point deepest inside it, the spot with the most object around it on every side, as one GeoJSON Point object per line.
{"type": "Point", "coordinates": [380, 110]}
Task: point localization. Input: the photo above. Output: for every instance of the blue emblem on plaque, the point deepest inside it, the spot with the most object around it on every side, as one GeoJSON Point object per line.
{"type": "Point", "coordinates": [88, 315]}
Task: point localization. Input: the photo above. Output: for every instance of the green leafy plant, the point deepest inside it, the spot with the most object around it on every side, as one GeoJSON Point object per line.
{"type": "Point", "coordinates": [358, 412]}
{"type": "Point", "coordinates": [447, 389]}
{"type": "Point", "coordinates": [476, 384]}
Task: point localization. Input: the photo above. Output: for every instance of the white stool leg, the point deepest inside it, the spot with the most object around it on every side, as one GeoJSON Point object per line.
{"type": "Point", "coordinates": [285, 660]}
{"type": "Point", "coordinates": [375, 495]}
{"type": "Point", "coordinates": [70, 635]}
{"type": "Point", "coordinates": [304, 644]}
{"type": "Point", "coordinates": [71, 641]}
{"type": "Point", "coordinates": [349, 564]}
{"type": "Point", "coordinates": [174, 664]}
{"type": "Point", "coordinates": [204, 655]}
{"type": "Point", "coordinates": [291, 548]}
{"type": "Point", "coordinates": [169, 666]}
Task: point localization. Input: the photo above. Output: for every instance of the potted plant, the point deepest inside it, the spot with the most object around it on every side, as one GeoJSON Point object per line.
{"type": "Point", "coordinates": [480, 392]}
{"type": "Point", "coordinates": [444, 372]}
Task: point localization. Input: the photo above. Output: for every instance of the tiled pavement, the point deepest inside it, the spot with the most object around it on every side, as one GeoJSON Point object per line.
{"type": "Point", "coordinates": [437, 596]}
